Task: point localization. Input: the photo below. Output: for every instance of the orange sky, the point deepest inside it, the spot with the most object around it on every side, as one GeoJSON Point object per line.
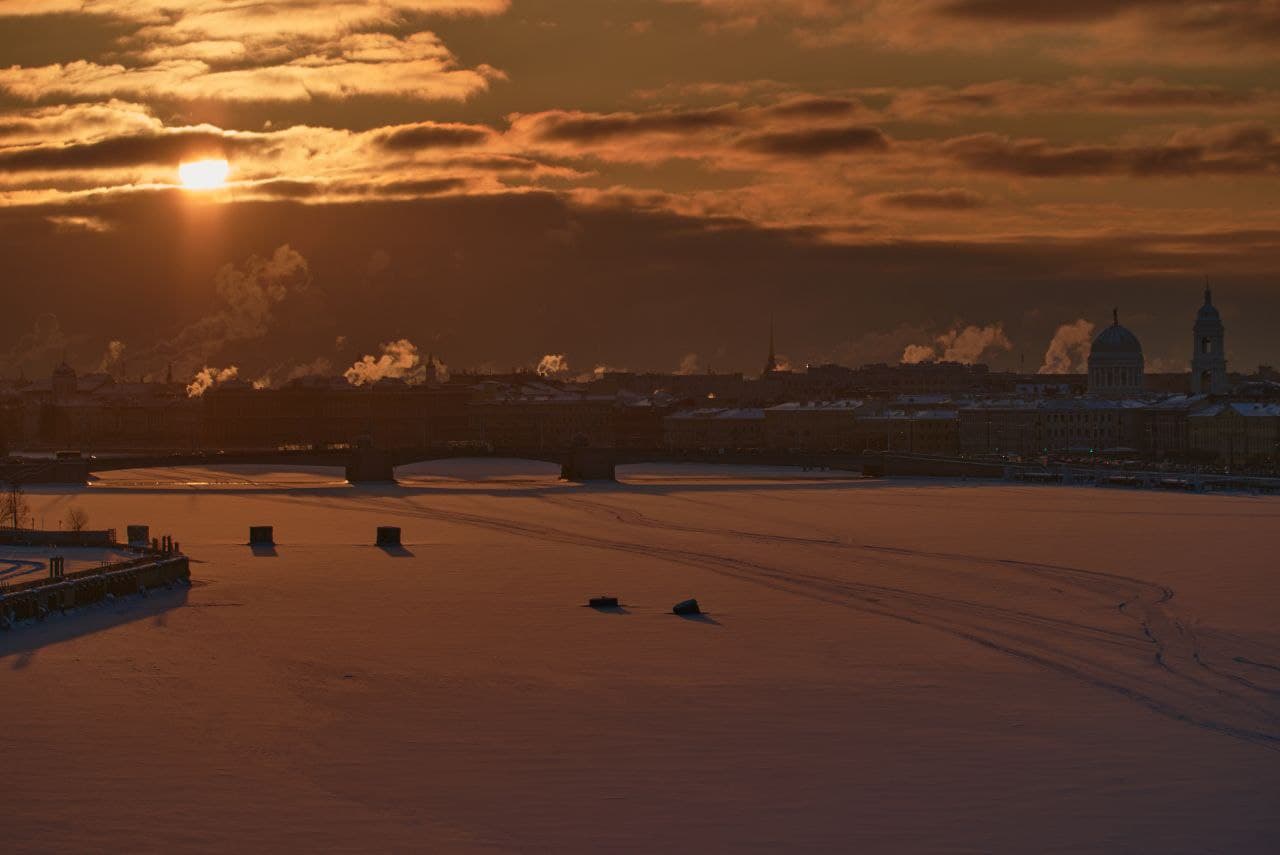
{"type": "Point", "coordinates": [634, 182]}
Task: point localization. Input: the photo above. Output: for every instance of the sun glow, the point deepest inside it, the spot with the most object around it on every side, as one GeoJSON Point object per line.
{"type": "Point", "coordinates": [203, 174]}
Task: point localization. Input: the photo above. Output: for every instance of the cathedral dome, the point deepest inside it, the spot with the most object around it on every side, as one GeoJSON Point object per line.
{"type": "Point", "coordinates": [1116, 340]}
{"type": "Point", "coordinates": [1116, 365]}
{"type": "Point", "coordinates": [64, 380]}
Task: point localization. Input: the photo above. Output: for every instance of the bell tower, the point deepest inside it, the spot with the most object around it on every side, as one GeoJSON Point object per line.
{"type": "Point", "coordinates": [1209, 352]}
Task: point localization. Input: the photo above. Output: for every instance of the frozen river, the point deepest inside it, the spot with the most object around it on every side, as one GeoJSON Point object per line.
{"type": "Point", "coordinates": [884, 667]}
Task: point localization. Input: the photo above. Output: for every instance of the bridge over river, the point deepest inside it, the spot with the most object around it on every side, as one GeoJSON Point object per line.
{"type": "Point", "coordinates": [365, 464]}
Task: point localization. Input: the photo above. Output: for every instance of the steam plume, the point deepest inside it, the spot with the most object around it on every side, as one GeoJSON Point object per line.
{"type": "Point", "coordinates": [688, 364]}
{"type": "Point", "coordinates": [248, 296]}
{"type": "Point", "coordinates": [967, 345]}
{"type": "Point", "coordinates": [40, 345]}
{"type": "Point", "coordinates": [399, 359]}
{"type": "Point", "coordinates": [553, 365]}
{"type": "Point", "coordinates": [113, 358]}
{"type": "Point", "coordinates": [1069, 351]}
{"type": "Point", "coordinates": [206, 378]}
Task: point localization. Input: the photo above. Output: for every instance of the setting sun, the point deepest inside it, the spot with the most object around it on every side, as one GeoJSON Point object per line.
{"type": "Point", "coordinates": [203, 174]}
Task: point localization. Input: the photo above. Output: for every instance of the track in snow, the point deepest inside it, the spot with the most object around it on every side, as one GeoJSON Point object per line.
{"type": "Point", "coordinates": [1120, 634]}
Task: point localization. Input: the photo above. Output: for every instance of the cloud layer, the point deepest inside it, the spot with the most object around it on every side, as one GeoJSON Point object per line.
{"type": "Point", "coordinates": [916, 161]}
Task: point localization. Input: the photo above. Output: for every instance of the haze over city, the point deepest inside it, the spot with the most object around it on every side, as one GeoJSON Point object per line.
{"type": "Point", "coordinates": [639, 426]}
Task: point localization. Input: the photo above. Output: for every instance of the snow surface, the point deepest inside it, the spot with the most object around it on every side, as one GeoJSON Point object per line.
{"type": "Point", "coordinates": [884, 667]}
{"type": "Point", "coordinates": [27, 563]}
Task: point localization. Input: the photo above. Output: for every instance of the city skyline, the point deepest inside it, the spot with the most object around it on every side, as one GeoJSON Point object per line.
{"type": "Point", "coordinates": [1066, 353]}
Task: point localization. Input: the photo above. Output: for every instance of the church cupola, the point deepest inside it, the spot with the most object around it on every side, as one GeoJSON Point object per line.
{"type": "Point", "coordinates": [1116, 364]}
{"type": "Point", "coordinates": [1209, 350]}
{"type": "Point", "coordinates": [63, 382]}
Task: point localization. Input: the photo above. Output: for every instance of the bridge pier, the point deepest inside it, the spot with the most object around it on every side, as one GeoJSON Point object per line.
{"type": "Point", "coordinates": [589, 464]}
{"type": "Point", "coordinates": [368, 465]}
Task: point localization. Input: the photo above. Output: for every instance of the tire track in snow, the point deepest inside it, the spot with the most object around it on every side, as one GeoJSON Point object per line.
{"type": "Point", "coordinates": [1171, 654]}
{"type": "Point", "coordinates": [1161, 689]}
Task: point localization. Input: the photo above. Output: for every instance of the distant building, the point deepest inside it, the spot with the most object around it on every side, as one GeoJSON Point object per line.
{"type": "Point", "coordinates": [63, 382]}
{"type": "Point", "coordinates": [638, 422]}
{"type": "Point", "coordinates": [1116, 365]}
{"type": "Point", "coordinates": [329, 411]}
{"type": "Point", "coordinates": [1236, 433]}
{"type": "Point", "coordinates": [813, 426]}
{"type": "Point", "coordinates": [1072, 426]}
{"type": "Point", "coordinates": [546, 422]}
{"type": "Point", "coordinates": [1167, 431]}
{"type": "Point", "coordinates": [935, 432]}
{"type": "Point", "coordinates": [715, 429]}
{"type": "Point", "coordinates": [1209, 354]}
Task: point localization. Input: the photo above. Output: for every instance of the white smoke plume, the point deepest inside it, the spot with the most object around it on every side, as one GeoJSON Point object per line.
{"type": "Point", "coordinates": [206, 378]}
{"type": "Point", "coordinates": [39, 348]}
{"type": "Point", "coordinates": [553, 365]}
{"type": "Point", "coordinates": [318, 367]}
{"type": "Point", "coordinates": [399, 359]}
{"type": "Point", "coordinates": [284, 372]}
{"type": "Point", "coordinates": [113, 358]}
{"type": "Point", "coordinates": [967, 345]}
{"type": "Point", "coordinates": [1068, 352]}
{"type": "Point", "coordinates": [917, 353]}
{"type": "Point", "coordinates": [248, 296]}
{"type": "Point", "coordinates": [598, 373]}
{"type": "Point", "coordinates": [688, 364]}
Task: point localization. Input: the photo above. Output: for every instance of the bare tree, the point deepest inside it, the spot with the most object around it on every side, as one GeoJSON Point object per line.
{"type": "Point", "coordinates": [77, 518]}
{"type": "Point", "coordinates": [13, 505]}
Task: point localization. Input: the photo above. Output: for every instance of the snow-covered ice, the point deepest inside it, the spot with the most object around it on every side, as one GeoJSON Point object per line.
{"type": "Point", "coordinates": [27, 563]}
{"type": "Point", "coordinates": [882, 667]}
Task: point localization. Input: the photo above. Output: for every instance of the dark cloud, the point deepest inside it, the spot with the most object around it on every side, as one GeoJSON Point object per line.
{"type": "Point", "coordinates": [18, 127]}
{"type": "Point", "coordinates": [495, 164]}
{"type": "Point", "coordinates": [1049, 11]}
{"type": "Point", "coordinates": [816, 141]}
{"type": "Point", "coordinates": [815, 108]}
{"type": "Point", "coordinates": [1154, 94]}
{"type": "Point", "coordinates": [289, 189]}
{"type": "Point", "coordinates": [1250, 150]}
{"type": "Point", "coordinates": [953, 199]}
{"type": "Point", "coordinates": [1086, 96]}
{"type": "Point", "coordinates": [423, 187]}
{"type": "Point", "coordinates": [428, 136]}
{"type": "Point", "coordinates": [121, 152]}
{"type": "Point", "coordinates": [1228, 21]}
{"type": "Point", "coordinates": [576, 128]}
